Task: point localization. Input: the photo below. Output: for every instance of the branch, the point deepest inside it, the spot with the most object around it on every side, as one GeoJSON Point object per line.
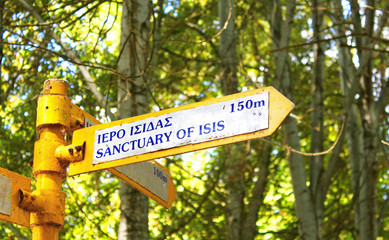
{"type": "Point", "coordinates": [187, 59]}
{"type": "Point", "coordinates": [71, 55]}
{"type": "Point", "coordinates": [205, 36]}
{"type": "Point", "coordinates": [383, 99]}
{"type": "Point", "coordinates": [325, 179]}
{"type": "Point", "coordinates": [382, 23]}
{"type": "Point", "coordinates": [256, 201]}
{"type": "Point", "coordinates": [382, 213]}
{"type": "Point", "coordinates": [50, 23]}
{"type": "Point", "coordinates": [207, 39]}
{"type": "Point", "coordinates": [192, 215]}
{"type": "Point", "coordinates": [309, 43]}
{"type": "Point", "coordinates": [80, 208]}
{"type": "Point", "coordinates": [290, 149]}
{"type": "Point", "coordinates": [85, 13]}
{"type": "Point", "coordinates": [66, 58]}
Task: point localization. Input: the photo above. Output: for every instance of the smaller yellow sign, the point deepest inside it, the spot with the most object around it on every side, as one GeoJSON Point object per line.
{"type": "Point", "coordinates": [151, 179]}
{"type": "Point", "coordinates": [10, 184]}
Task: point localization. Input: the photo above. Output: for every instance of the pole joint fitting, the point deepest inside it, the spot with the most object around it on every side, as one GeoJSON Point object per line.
{"type": "Point", "coordinates": [47, 207]}
{"type": "Point", "coordinates": [31, 201]}
{"type": "Point", "coordinates": [70, 153]}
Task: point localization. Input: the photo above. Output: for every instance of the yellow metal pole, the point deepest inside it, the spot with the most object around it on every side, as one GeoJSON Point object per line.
{"type": "Point", "coordinates": [47, 202]}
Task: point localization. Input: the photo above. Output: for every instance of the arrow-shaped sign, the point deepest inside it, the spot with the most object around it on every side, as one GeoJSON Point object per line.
{"type": "Point", "coordinates": [229, 119]}
{"type": "Point", "coordinates": [10, 184]}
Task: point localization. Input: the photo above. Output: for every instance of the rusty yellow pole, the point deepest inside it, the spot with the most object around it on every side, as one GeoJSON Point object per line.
{"type": "Point", "coordinates": [47, 202]}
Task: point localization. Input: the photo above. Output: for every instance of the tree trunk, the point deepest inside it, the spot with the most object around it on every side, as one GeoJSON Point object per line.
{"type": "Point", "coordinates": [281, 31]}
{"type": "Point", "coordinates": [316, 162]}
{"type": "Point", "coordinates": [133, 100]}
{"type": "Point", "coordinates": [227, 50]}
{"type": "Point", "coordinates": [369, 119]}
{"type": "Point", "coordinates": [362, 114]}
{"type": "Point", "coordinates": [234, 176]}
{"type": "Point", "coordinates": [249, 228]}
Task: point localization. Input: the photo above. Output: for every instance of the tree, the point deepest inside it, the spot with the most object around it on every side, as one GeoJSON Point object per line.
{"type": "Point", "coordinates": [364, 104]}
{"type": "Point", "coordinates": [234, 176]}
{"type": "Point", "coordinates": [240, 218]}
{"type": "Point", "coordinates": [133, 100]}
{"type": "Point", "coordinates": [281, 33]}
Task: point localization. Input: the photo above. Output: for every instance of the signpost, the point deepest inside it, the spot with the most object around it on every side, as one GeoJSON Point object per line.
{"type": "Point", "coordinates": [10, 184]}
{"type": "Point", "coordinates": [234, 118]}
{"type": "Point", "coordinates": [126, 148]}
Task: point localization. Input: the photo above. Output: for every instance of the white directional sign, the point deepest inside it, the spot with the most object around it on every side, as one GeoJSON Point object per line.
{"type": "Point", "coordinates": [190, 126]}
{"type": "Point", "coordinates": [216, 122]}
